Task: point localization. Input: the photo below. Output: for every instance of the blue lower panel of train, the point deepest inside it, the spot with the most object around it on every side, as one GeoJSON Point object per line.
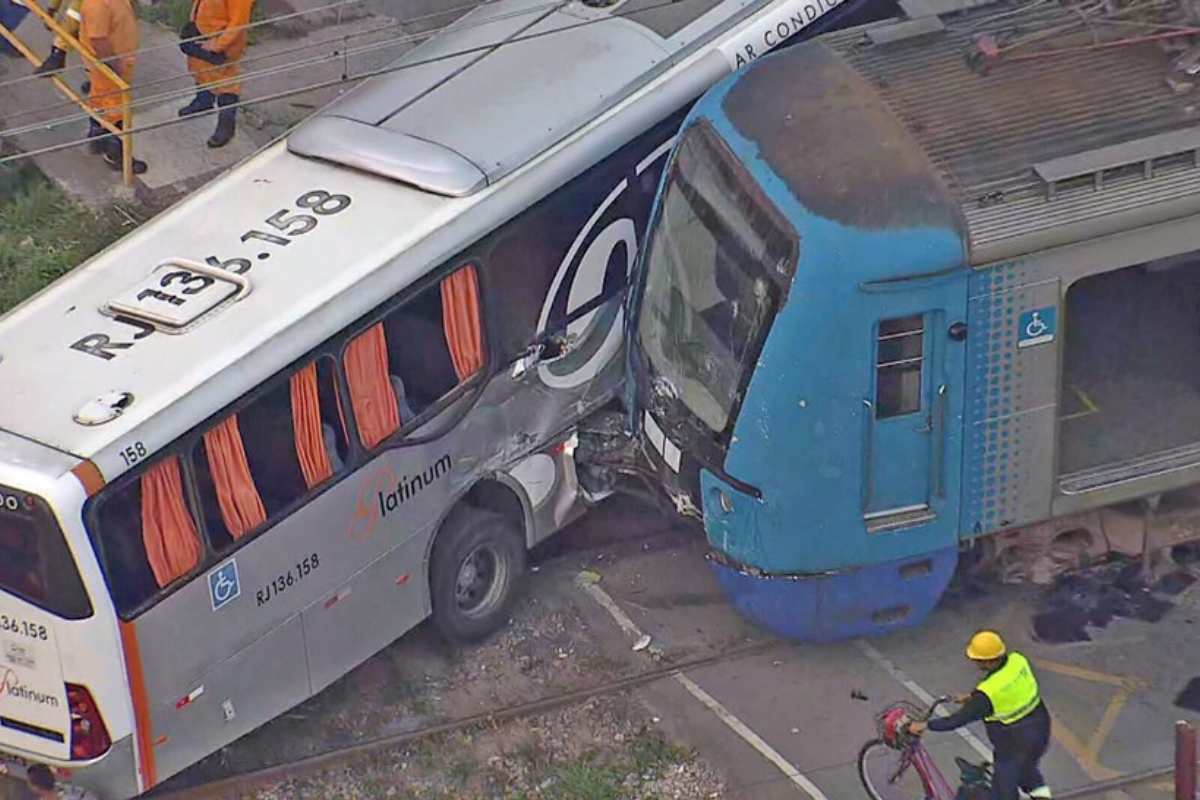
{"type": "Point", "coordinates": [859, 602]}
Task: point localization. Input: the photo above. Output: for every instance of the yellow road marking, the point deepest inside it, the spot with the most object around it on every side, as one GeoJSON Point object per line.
{"type": "Point", "coordinates": [1088, 755]}
{"type": "Point", "coordinates": [1100, 735]}
{"type": "Point", "coordinates": [1083, 673]}
{"type": "Point", "coordinates": [1079, 751]}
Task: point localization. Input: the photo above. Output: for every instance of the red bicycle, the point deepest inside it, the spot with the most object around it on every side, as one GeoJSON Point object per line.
{"type": "Point", "coordinates": [895, 766]}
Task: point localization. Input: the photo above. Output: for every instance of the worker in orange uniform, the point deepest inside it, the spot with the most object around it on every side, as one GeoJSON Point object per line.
{"type": "Point", "coordinates": [69, 20]}
{"type": "Point", "coordinates": [109, 29]}
{"type": "Point", "coordinates": [213, 41]}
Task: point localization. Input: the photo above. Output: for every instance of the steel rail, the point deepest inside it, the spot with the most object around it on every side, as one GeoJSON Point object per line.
{"type": "Point", "coordinates": [222, 787]}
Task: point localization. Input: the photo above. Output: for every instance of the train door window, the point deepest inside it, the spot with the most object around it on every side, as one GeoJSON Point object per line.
{"type": "Point", "coordinates": [146, 535]}
{"type": "Point", "coordinates": [257, 463]}
{"type": "Point", "coordinates": [899, 358]}
{"type": "Point", "coordinates": [400, 368]}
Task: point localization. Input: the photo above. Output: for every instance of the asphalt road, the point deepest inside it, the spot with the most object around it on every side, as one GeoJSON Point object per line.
{"type": "Point", "coordinates": [789, 724]}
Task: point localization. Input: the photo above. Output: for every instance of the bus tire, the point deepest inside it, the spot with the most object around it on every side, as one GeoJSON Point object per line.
{"type": "Point", "coordinates": [478, 560]}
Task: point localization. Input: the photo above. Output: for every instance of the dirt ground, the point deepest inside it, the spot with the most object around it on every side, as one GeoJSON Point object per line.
{"type": "Point", "coordinates": [604, 749]}
{"type": "Point", "coordinates": [556, 642]}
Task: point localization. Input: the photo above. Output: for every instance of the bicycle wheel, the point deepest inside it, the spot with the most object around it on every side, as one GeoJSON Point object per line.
{"type": "Point", "coordinates": [889, 774]}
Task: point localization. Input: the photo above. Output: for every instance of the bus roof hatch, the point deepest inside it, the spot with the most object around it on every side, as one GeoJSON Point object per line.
{"type": "Point", "coordinates": [178, 294]}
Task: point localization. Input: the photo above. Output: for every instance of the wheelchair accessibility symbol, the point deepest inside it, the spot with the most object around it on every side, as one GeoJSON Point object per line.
{"type": "Point", "coordinates": [1037, 327]}
{"type": "Point", "coordinates": [223, 586]}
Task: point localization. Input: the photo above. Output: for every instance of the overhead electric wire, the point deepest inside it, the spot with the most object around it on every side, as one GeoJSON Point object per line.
{"type": "Point", "coordinates": [345, 54]}
{"type": "Point", "coordinates": [275, 20]}
{"type": "Point", "coordinates": [335, 82]}
{"type": "Point", "coordinates": [407, 38]}
{"type": "Point", "coordinates": [190, 89]}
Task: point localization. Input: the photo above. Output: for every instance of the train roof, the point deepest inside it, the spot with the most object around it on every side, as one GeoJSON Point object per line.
{"type": "Point", "coordinates": [1042, 125]}
{"type": "Point", "coordinates": [473, 98]}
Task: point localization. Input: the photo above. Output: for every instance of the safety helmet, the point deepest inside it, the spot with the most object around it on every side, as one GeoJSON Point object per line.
{"type": "Point", "coordinates": [985, 646]}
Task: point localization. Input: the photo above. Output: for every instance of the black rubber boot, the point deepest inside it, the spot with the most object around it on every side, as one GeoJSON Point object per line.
{"type": "Point", "coordinates": [113, 153]}
{"type": "Point", "coordinates": [53, 63]}
{"type": "Point", "coordinates": [95, 137]}
{"type": "Point", "coordinates": [226, 121]}
{"type": "Point", "coordinates": [203, 101]}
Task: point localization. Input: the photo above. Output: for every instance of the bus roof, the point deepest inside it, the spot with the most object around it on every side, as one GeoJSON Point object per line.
{"type": "Point", "coordinates": [59, 351]}
{"type": "Point", "coordinates": [68, 353]}
{"type": "Point", "coordinates": [1048, 111]}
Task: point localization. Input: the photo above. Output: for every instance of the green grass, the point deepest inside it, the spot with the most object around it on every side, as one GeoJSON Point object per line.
{"type": "Point", "coordinates": [587, 779]}
{"type": "Point", "coordinates": [597, 776]}
{"type": "Point", "coordinates": [174, 14]}
{"type": "Point", "coordinates": [650, 751]}
{"type": "Point", "coordinates": [43, 235]}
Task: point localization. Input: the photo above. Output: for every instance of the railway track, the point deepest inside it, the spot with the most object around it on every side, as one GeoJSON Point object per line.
{"type": "Point", "coordinates": [229, 786]}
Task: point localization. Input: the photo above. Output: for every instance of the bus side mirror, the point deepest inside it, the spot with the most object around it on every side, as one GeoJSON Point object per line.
{"type": "Point", "coordinates": [958, 331]}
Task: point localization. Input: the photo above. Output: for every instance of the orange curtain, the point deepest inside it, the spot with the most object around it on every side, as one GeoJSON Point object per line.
{"type": "Point", "coordinates": [306, 427]}
{"type": "Point", "coordinates": [241, 507]}
{"type": "Point", "coordinates": [371, 393]}
{"type": "Point", "coordinates": [172, 544]}
{"type": "Point", "coordinates": [460, 318]}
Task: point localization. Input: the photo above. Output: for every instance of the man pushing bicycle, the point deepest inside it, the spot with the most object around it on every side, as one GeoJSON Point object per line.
{"type": "Point", "coordinates": [1017, 722]}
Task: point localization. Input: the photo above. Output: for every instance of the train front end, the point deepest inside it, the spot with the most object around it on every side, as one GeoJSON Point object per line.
{"type": "Point", "coordinates": [796, 348]}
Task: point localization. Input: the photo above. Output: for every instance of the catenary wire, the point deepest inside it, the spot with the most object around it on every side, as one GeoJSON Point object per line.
{"type": "Point", "coordinates": [156, 99]}
{"type": "Point", "coordinates": [275, 20]}
{"type": "Point", "coordinates": [331, 83]}
{"type": "Point", "coordinates": [343, 54]}
{"type": "Point", "coordinates": [395, 41]}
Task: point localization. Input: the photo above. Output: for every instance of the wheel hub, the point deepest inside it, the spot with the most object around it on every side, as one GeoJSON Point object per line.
{"type": "Point", "coordinates": [480, 581]}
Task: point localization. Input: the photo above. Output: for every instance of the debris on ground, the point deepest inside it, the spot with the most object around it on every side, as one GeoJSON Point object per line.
{"type": "Point", "coordinates": [604, 749]}
{"type": "Point", "coordinates": [547, 649]}
{"type": "Point", "coordinates": [1078, 602]}
{"type": "Point", "coordinates": [1189, 698]}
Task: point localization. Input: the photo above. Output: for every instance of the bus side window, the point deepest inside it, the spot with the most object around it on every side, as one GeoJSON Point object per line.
{"type": "Point", "coordinates": [898, 358]}
{"type": "Point", "coordinates": [257, 463]}
{"type": "Point", "coordinates": [416, 355]}
{"type": "Point", "coordinates": [146, 535]}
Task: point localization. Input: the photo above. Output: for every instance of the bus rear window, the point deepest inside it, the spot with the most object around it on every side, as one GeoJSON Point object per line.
{"type": "Point", "coordinates": [35, 563]}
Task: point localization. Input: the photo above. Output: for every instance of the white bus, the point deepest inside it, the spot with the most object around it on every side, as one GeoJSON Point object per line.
{"type": "Point", "coordinates": [336, 391]}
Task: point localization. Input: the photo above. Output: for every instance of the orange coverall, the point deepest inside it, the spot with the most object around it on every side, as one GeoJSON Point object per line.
{"type": "Point", "coordinates": [115, 21]}
{"type": "Point", "coordinates": [226, 21]}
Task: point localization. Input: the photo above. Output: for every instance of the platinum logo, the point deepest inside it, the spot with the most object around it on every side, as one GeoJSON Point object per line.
{"type": "Point", "coordinates": [10, 686]}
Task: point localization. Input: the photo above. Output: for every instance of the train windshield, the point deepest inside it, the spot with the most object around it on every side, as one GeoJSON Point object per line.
{"type": "Point", "coordinates": [715, 268]}
{"type": "Point", "coordinates": [35, 562]}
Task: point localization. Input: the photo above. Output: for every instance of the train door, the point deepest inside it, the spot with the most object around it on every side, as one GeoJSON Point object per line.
{"type": "Point", "coordinates": [913, 412]}
{"type": "Point", "coordinates": [1130, 417]}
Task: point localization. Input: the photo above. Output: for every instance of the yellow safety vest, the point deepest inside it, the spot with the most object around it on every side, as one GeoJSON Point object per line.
{"type": "Point", "coordinates": [1012, 689]}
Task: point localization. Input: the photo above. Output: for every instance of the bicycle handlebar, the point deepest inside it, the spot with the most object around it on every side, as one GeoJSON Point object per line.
{"type": "Point", "coordinates": [939, 701]}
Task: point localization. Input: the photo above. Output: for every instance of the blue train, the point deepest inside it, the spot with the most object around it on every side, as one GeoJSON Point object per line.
{"type": "Point", "coordinates": [897, 304]}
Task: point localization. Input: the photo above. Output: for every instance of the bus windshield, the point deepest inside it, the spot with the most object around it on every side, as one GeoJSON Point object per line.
{"type": "Point", "coordinates": [35, 562]}
{"type": "Point", "coordinates": [718, 255]}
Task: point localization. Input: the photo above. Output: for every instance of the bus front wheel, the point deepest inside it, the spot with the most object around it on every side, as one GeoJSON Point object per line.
{"type": "Point", "coordinates": [478, 560]}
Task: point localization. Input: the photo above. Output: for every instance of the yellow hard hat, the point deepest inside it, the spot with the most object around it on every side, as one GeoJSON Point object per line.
{"type": "Point", "coordinates": [985, 646]}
